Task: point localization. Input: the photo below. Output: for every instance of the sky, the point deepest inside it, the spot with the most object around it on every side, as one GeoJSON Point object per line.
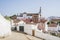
{"type": "Point", "coordinates": [48, 7]}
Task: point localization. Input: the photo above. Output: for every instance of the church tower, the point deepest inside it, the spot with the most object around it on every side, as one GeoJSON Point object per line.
{"type": "Point", "coordinates": [40, 13]}
{"type": "Point", "coordinates": [42, 21]}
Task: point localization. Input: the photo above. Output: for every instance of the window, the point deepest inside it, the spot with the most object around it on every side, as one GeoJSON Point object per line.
{"type": "Point", "coordinates": [29, 14]}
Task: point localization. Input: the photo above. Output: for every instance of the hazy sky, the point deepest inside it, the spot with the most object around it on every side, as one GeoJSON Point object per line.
{"type": "Point", "coordinates": [49, 7]}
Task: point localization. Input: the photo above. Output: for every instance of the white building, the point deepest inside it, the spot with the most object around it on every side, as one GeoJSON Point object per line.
{"type": "Point", "coordinates": [5, 27]}
{"type": "Point", "coordinates": [26, 15]}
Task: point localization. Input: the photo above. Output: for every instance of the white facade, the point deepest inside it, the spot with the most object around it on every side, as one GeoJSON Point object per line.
{"type": "Point", "coordinates": [46, 27]}
{"type": "Point", "coordinates": [24, 16]}
{"type": "Point", "coordinates": [12, 23]}
{"type": "Point", "coordinates": [50, 28]}
{"type": "Point", "coordinates": [59, 28]}
{"type": "Point", "coordinates": [5, 27]}
{"type": "Point", "coordinates": [28, 29]}
{"type": "Point", "coordinates": [20, 18]}
{"type": "Point", "coordinates": [53, 28]}
{"type": "Point", "coordinates": [21, 23]}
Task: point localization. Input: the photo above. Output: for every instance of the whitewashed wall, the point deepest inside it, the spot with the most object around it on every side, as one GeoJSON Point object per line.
{"type": "Point", "coordinates": [53, 28]}
{"type": "Point", "coordinates": [17, 28]}
{"type": "Point", "coordinates": [28, 29]}
{"type": "Point", "coordinates": [24, 15]}
{"type": "Point", "coordinates": [20, 18]}
{"type": "Point", "coordinates": [45, 36]}
{"type": "Point", "coordinates": [58, 27]}
{"type": "Point", "coordinates": [46, 27]}
{"type": "Point", "coordinates": [5, 27]}
{"type": "Point", "coordinates": [21, 23]}
{"type": "Point", "coordinates": [12, 24]}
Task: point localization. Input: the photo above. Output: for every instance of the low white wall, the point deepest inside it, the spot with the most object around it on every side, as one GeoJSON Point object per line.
{"type": "Point", "coordinates": [45, 36]}
{"type": "Point", "coordinates": [53, 28]}
{"type": "Point", "coordinates": [58, 27]}
{"type": "Point", "coordinates": [28, 29]}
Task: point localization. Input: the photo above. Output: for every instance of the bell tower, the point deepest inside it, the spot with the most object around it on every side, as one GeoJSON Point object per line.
{"type": "Point", "coordinates": [40, 13]}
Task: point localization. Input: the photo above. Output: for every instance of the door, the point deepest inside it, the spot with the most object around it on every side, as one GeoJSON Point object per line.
{"type": "Point", "coordinates": [21, 28]}
{"type": "Point", "coordinates": [15, 28]}
{"type": "Point", "coordinates": [33, 32]}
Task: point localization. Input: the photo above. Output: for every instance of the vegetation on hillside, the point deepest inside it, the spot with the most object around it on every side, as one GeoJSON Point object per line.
{"type": "Point", "coordinates": [7, 18]}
